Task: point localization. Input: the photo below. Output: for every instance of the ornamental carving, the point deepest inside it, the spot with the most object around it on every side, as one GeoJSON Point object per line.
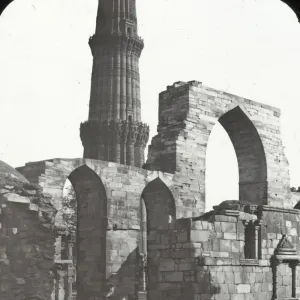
{"type": "Point", "coordinates": [116, 131]}
{"type": "Point", "coordinates": [132, 132]}
{"type": "Point", "coordinates": [117, 41]}
{"type": "Point", "coordinates": [143, 134]}
{"type": "Point", "coordinates": [285, 243]}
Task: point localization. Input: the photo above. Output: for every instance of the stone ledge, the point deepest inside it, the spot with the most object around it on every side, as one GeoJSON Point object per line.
{"type": "Point", "coordinates": [249, 262]}
{"type": "Point", "coordinates": [279, 209]}
{"type": "Point", "coordinates": [63, 261]}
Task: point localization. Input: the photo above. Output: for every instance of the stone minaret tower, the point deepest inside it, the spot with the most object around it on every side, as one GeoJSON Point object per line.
{"type": "Point", "coordinates": [114, 131]}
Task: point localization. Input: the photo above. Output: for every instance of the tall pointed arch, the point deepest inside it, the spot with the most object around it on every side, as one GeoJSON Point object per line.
{"type": "Point", "coordinates": [91, 232]}
{"type": "Point", "coordinates": [250, 155]}
{"type": "Point", "coordinates": [158, 214]}
{"type": "Point", "coordinates": [159, 204]}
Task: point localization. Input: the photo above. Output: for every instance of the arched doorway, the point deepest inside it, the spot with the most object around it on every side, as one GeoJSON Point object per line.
{"type": "Point", "coordinates": [221, 174]}
{"type": "Point", "coordinates": [158, 214]}
{"type": "Point", "coordinates": [250, 155]}
{"type": "Point", "coordinates": [91, 232]}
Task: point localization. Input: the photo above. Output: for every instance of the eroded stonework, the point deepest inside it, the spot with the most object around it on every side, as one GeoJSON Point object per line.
{"type": "Point", "coordinates": [27, 236]}
{"type": "Point", "coordinates": [142, 232]}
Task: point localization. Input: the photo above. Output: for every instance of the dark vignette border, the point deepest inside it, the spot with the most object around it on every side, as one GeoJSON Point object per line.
{"type": "Point", "coordinates": [293, 4]}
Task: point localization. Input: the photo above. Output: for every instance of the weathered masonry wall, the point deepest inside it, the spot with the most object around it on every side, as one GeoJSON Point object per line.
{"type": "Point", "coordinates": [228, 254]}
{"type": "Point", "coordinates": [27, 239]}
{"type": "Point", "coordinates": [187, 114]}
{"type": "Point", "coordinates": [244, 249]}
{"type": "Point", "coordinates": [109, 216]}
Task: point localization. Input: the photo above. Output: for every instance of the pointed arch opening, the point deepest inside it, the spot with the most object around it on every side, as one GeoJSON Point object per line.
{"type": "Point", "coordinates": [158, 214]}
{"type": "Point", "coordinates": [159, 204]}
{"type": "Point", "coordinates": [221, 175]}
{"type": "Point", "coordinates": [250, 155]}
{"type": "Point", "coordinates": [90, 233]}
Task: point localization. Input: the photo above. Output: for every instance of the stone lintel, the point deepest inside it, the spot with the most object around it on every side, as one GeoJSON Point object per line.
{"type": "Point", "coordinates": [287, 257]}
{"type": "Point", "coordinates": [289, 298]}
{"type": "Point", "coordinates": [227, 212]}
{"type": "Point", "coordinates": [249, 262]}
{"type": "Point", "coordinates": [279, 209]}
{"type": "Point", "coordinates": [63, 261]}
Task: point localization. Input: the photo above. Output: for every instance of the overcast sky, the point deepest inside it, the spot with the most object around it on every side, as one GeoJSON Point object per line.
{"type": "Point", "coordinates": [244, 47]}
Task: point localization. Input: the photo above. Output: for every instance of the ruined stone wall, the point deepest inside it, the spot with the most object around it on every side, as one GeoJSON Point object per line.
{"type": "Point", "coordinates": [26, 241]}
{"type": "Point", "coordinates": [122, 191]}
{"type": "Point", "coordinates": [187, 114]}
{"type": "Point", "coordinates": [208, 257]}
{"type": "Point", "coordinates": [227, 253]}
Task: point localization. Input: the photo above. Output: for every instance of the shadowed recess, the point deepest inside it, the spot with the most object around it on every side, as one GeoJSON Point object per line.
{"type": "Point", "coordinates": [160, 205]}
{"type": "Point", "coordinates": [250, 156]}
{"type": "Point", "coordinates": [91, 232]}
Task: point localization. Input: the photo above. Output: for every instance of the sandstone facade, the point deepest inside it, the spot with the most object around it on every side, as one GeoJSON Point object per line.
{"type": "Point", "coordinates": [243, 249]}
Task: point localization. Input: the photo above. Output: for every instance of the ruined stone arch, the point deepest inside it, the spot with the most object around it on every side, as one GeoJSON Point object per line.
{"type": "Point", "coordinates": [158, 214]}
{"type": "Point", "coordinates": [91, 232]}
{"type": "Point", "coordinates": [159, 204]}
{"type": "Point", "coordinates": [250, 154]}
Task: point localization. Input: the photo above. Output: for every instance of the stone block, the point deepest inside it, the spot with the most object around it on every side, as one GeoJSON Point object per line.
{"type": "Point", "coordinates": [230, 236]}
{"type": "Point", "coordinates": [166, 265]}
{"type": "Point", "coordinates": [229, 277]}
{"type": "Point", "coordinates": [199, 236]}
{"type": "Point", "coordinates": [235, 246]}
{"type": "Point", "coordinates": [237, 277]}
{"type": "Point", "coordinates": [243, 288]}
{"type": "Point", "coordinates": [215, 244]}
{"type": "Point", "coordinates": [226, 245]}
{"type": "Point", "coordinates": [173, 276]}
{"type": "Point", "coordinates": [222, 218]}
{"type": "Point", "coordinates": [238, 296]}
{"type": "Point", "coordinates": [219, 254]}
{"type": "Point", "coordinates": [228, 227]}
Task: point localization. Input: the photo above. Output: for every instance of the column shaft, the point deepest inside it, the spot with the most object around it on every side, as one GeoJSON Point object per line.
{"type": "Point", "coordinates": [138, 93]}
{"type": "Point", "coordinates": [118, 152]}
{"type": "Point", "coordinates": [118, 83]}
{"type": "Point", "coordinates": [294, 282]}
{"type": "Point", "coordinates": [133, 83]}
{"type": "Point", "coordinates": [123, 85]}
{"type": "Point", "coordinates": [130, 153]}
{"type": "Point", "coordinates": [104, 107]}
{"type": "Point", "coordinates": [110, 85]}
{"type": "Point", "coordinates": [128, 80]}
{"type": "Point", "coordinates": [256, 228]}
{"type": "Point", "coordinates": [123, 153]}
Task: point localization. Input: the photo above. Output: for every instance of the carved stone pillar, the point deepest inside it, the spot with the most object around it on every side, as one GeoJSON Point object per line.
{"type": "Point", "coordinates": [124, 136]}
{"type": "Point", "coordinates": [144, 271]}
{"type": "Point", "coordinates": [257, 225]}
{"type": "Point", "coordinates": [140, 145]}
{"type": "Point", "coordinates": [275, 264]}
{"type": "Point", "coordinates": [130, 153]}
{"type": "Point", "coordinates": [293, 266]}
{"type": "Point", "coordinates": [246, 247]}
{"type": "Point", "coordinates": [115, 133]}
{"type": "Point", "coordinates": [132, 135]}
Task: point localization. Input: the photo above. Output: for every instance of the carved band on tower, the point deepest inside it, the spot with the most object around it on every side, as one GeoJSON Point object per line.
{"type": "Point", "coordinates": [114, 131]}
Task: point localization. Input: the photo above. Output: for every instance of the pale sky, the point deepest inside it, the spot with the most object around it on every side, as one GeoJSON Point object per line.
{"type": "Point", "coordinates": [245, 47]}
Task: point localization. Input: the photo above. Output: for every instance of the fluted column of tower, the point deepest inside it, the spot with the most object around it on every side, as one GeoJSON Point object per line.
{"type": "Point", "coordinates": [114, 131]}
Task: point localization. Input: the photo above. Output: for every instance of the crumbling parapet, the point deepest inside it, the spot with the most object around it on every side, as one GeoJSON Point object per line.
{"type": "Point", "coordinates": [27, 240]}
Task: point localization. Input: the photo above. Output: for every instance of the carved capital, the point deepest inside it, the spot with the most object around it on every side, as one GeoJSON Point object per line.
{"type": "Point", "coordinates": [116, 41]}
{"type": "Point", "coordinates": [115, 131]}
{"type": "Point", "coordinates": [143, 135]}
{"type": "Point", "coordinates": [125, 130]}
{"type": "Point", "coordinates": [132, 133]}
